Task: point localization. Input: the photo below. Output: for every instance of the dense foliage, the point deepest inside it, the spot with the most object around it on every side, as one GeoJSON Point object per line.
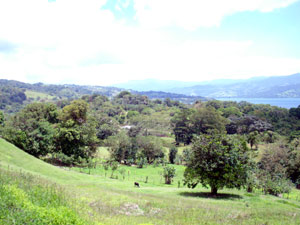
{"type": "Point", "coordinates": [40, 129]}
{"type": "Point", "coordinates": [218, 161]}
{"type": "Point", "coordinates": [133, 127]}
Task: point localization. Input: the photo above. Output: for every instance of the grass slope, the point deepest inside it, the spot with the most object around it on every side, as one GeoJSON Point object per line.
{"type": "Point", "coordinates": [38, 95]}
{"type": "Point", "coordinates": [116, 201]}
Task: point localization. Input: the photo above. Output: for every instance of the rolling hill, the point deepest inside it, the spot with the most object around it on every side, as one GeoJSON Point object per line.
{"type": "Point", "coordinates": [256, 87]}
{"type": "Point", "coordinates": [262, 87]}
{"type": "Point", "coordinates": [14, 94]}
{"type": "Point", "coordinates": [116, 201]}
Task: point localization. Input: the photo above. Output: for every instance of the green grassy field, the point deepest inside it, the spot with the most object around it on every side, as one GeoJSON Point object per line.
{"type": "Point", "coordinates": [38, 95]}
{"type": "Point", "coordinates": [117, 201]}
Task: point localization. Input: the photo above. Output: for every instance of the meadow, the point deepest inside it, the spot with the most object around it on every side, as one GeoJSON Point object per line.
{"type": "Point", "coordinates": [35, 96]}
{"type": "Point", "coordinates": [100, 199]}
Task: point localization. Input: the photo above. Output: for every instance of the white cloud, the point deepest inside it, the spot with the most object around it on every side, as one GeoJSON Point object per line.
{"type": "Point", "coordinates": [75, 41]}
{"type": "Point", "coordinates": [191, 14]}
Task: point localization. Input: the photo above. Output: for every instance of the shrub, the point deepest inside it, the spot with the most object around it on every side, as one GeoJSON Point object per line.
{"type": "Point", "coordinates": [273, 170]}
{"type": "Point", "coordinates": [114, 166]}
{"type": "Point", "coordinates": [186, 155]}
{"type": "Point", "coordinates": [178, 160]}
{"type": "Point", "coordinates": [275, 185]}
{"type": "Point", "coordinates": [172, 154]}
{"type": "Point", "coordinates": [168, 173]}
{"type": "Point", "coordinates": [142, 162]}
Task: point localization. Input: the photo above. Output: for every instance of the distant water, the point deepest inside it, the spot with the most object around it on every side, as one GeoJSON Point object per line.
{"type": "Point", "coordinates": [281, 102]}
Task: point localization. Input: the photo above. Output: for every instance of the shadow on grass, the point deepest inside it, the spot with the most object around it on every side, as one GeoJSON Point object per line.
{"type": "Point", "coordinates": [209, 195]}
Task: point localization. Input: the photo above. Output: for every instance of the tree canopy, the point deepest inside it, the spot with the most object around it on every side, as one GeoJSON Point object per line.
{"type": "Point", "coordinates": [218, 161]}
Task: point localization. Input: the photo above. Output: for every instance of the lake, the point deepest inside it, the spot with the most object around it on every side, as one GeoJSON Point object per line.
{"type": "Point", "coordinates": [281, 102]}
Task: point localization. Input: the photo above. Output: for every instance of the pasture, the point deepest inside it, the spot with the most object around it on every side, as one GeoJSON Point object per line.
{"type": "Point", "coordinates": [107, 199]}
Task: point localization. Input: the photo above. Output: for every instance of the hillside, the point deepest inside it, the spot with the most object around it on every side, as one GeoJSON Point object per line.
{"type": "Point", "coordinates": [116, 201]}
{"type": "Point", "coordinates": [263, 87]}
{"type": "Point", "coordinates": [256, 87]}
{"type": "Point", "coordinates": [17, 159]}
{"type": "Point", "coordinates": [187, 99]}
{"type": "Point", "coordinates": [13, 94]}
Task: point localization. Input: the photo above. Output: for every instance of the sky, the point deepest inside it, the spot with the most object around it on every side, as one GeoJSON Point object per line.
{"type": "Point", "coordinates": [105, 42]}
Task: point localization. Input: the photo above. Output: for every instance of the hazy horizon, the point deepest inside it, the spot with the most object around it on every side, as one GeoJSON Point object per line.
{"type": "Point", "coordinates": [146, 79]}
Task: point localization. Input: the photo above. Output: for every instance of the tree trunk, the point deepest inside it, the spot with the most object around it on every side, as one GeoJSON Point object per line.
{"type": "Point", "coordinates": [214, 190]}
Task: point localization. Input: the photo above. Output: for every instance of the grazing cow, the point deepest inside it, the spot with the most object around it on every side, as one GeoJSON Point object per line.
{"type": "Point", "coordinates": [136, 184]}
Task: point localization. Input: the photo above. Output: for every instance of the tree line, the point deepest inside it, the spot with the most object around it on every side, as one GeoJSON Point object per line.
{"type": "Point", "coordinates": [131, 126]}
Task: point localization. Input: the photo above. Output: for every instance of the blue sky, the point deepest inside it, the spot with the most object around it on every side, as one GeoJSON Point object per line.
{"type": "Point", "coordinates": [101, 42]}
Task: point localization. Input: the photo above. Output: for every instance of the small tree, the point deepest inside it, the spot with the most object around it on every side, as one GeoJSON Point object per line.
{"type": "Point", "coordinates": [168, 174]}
{"type": "Point", "coordinates": [106, 167]}
{"type": "Point", "coordinates": [1, 118]}
{"type": "Point", "coordinates": [218, 161]}
{"type": "Point", "coordinates": [172, 154]}
{"type": "Point", "coordinates": [141, 162]}
{"type": "Point", "coordinates": [120, 147]}
{"type": "Point", "coordinates": [186, 155]}
{"type": "Point", "coordinates": [150, 147]}
{"type": "Point", "coordinates": [114, 166]}
{"type": "Point", "coordinates": [276, 167]}
{"type": "Point", "coordinates": [253, 139]}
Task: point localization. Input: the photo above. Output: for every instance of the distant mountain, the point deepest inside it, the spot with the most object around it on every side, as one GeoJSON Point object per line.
{"type": "Point", "coordinates": [173, 96]}
{"type": "Point", "coordinates": [256, 87]}
{"type": "Point", "coordinates": [154, 85]}
{"type": "Point", "coordinates": [261, 87]}
{"type": "Point", "coordinates": [69, 91]}
{"type": "Point", "coordinates": [173, 86]}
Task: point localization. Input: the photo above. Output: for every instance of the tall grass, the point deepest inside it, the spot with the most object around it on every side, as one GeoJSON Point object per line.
{"type": "Point", "coordinates": [39, 199]}
{"type": "Point", "coordinates": [28, 199]}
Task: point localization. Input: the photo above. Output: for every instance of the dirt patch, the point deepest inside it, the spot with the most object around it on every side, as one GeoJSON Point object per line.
{"type": "Point", "coordinates": [131, 209]}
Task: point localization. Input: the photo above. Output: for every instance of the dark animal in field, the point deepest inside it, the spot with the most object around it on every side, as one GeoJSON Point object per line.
{"type": "Point", "coordinates": [298, 186]}
{"type": "Point", "coordinates": [136, 184]}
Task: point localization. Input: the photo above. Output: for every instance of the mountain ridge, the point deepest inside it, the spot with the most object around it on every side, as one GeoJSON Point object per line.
{"type": "Point", "coordinates": [256, 87]}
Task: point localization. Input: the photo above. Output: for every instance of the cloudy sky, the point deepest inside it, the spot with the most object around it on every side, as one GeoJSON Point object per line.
{"type": "Point", "coordinates": [101, 42]}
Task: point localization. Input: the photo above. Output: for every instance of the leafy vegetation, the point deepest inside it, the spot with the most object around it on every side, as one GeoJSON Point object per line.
{"type": "Point", "coordinates": [26, 199]}
{"type": "Point", "coordinates": [118, 141]}
{"type": "Point", "coordinates": [218, 161]}
{"type": "Point", "coordinates": [116, 201]}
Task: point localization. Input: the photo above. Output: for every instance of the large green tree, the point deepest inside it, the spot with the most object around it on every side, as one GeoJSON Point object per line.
{"type": "Point", "coordinates": [33, 128]}
{"type": "Point", "coordinates": [218, 161]}
{"type": "Point", "coordinates": [203, 120]}
{"type": "Point", "coordinates": [150, 147]}
{"type": "Point", "coordinates": [182, 126]}
{"type": "Point", "coordinates": [76, 134]}
{"type": "Point", "coordinates": [120, 147]}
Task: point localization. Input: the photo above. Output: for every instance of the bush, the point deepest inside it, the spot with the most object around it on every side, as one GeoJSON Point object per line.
{"type": "Point", "coordinates": [168, 173]}
{"type": "Point", "coordinates": [275, 185]}
{"type": "Point", "coordinates": [269, 137]}
{"type": "Point", "coordinates": [186, 155]}
{"type": "Point", "coordinates": [172, 154]}
{"type": "Point", "coordinates": [178, 160]}
{"type": "Point", "coordinates": [61, 159]}
{"type": "Point", "coordinates": [141, 162]}
{"type": "Point", "coordinates": [156, 162]}
{"type": "Point", "coordinates": [274, 169]}
{"type": "Point", "coordinates": [114, 166]}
